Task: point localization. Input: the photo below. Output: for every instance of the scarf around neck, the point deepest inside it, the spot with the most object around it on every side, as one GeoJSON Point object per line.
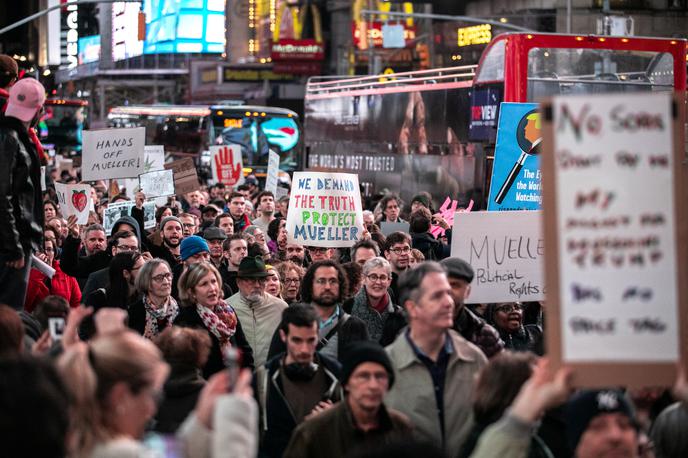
{"type": "Point", "coordinates": [221, 322]}
{"type": "Point", "coordinates": [166, 313]}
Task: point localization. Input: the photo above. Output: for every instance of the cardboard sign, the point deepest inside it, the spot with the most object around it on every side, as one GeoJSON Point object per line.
{"type": "Point", "coordinates": [74, 200]}
{"type": "Point", "coordinates": [325, 210]}
{"type": "Point", "coordinates": [115, 211]}
{"type": "Point", "coordinates": [387, 228]}
{"type": "Point", "coordinates": [515, 183]}
{"type": "Point", "coordinates": [157, 184]}
{"type": "Point", "coordinates": [616, 269]}
{"type": "Point", "coordinates": [506, 250]}
{"type": "Point", "coordinates": [273, 170]}
{"type": "Point", "coordinates": [43, 169]}
{"type": "Point", "coordinates": [154, 158]}
{"type": "Point", "coordinates": [185, 177]}
{"type": "Point", "coordinates": [113, 153]}
{"type": "Point", "coordinates": [226, 164]}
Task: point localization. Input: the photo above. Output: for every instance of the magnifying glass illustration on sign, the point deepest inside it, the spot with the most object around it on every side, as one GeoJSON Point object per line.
{"type": "Point", "coordinates": [528, 137]}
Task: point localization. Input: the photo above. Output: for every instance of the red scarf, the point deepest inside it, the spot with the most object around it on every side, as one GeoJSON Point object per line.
{"type": "Point", "coordinates": [381, 306]}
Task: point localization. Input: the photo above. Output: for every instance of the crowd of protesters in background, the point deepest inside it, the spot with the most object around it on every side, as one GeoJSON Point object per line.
{"type": "Point", "coordinates": [371, 350]}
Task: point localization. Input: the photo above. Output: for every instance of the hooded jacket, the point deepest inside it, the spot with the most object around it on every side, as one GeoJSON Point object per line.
{"type": "Point", "coordinates": [21, 206]}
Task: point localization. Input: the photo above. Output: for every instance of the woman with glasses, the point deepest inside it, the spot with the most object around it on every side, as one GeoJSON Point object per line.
{"type": "Point", "coordinates": [273, 285]}
{"type": "Point", "coordinates": [373, 303]}
{"type": "Point", "coordinates": [157, 309]}
{"type": "Point", "coordinates": [61, 284]}
{"type": "Point", "coordinates": [507, 318]}
{"type": "Point", "coordinates": [290, 275]}
{"type": "Point", "coordinates": [203, 306]}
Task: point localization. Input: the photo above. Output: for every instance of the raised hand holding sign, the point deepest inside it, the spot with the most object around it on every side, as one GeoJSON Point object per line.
{"type": "Point", "coordinates": [227, 164]}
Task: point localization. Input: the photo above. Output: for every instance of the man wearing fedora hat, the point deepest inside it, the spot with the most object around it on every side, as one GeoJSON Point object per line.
{"type": "Point", "coordinates": [259, 313]}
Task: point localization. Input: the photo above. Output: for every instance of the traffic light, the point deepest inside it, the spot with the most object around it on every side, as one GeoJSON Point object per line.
{"type": "Point", "coordinates": [423, 53]}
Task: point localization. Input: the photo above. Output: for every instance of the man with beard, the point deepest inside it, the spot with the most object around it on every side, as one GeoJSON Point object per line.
{"type": "Point", "coordinates": [266, 209]}
{"type": "Point", "coordinates": [235, 249]}
{"type": "Point", "coordinates": [94, 239]}
{"type": "Point", "coordinates": [295, 253]}
{"type": "Point", "coordinates": [259, 313]}
{"type": "Point", "coordinates": [215, 237]}
{"type": "Point", "coordinates": [397, 252]}
{"type": "Point", "coordinates": [171, 231]}
{"type": "Point", "coordinates": [295, 384]}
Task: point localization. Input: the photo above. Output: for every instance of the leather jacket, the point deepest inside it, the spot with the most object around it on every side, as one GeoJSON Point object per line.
{"type": "Point", "coordinates": [21, 203]}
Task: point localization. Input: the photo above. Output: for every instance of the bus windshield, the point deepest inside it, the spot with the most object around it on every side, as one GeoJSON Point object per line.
{"type": "Point", "coordinates": [555, 71]}
{"type": "Point", "coordinates": [257, 132]}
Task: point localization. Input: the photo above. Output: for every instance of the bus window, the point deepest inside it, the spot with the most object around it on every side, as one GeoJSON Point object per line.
{"type": "Point", "coordinates": [492, 66]}
{"type": "Point", "coordinates": [62, 126]}
{"type": "Point", "coordinates": [554, 71]}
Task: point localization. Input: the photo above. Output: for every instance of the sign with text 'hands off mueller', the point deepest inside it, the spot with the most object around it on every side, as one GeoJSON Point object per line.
{"type": "Point", "coordinates": [325, 210]}
{"type": "Point", "coordinates": [113, 153]}
{"type": "Point", "coordinates": [506, 250]}
{"type": "Point", "coordinates": [616, 265]}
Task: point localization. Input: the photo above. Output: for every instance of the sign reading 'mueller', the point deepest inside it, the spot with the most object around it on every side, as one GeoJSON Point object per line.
{"type": "Point", "coordinates": [113, 153]}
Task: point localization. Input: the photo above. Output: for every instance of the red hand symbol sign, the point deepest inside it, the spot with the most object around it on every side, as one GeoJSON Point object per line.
{"type": "Point", "coordinates": [227, 172]}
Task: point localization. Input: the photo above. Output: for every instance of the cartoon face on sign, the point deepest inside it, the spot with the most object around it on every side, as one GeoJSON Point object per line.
{"type": "Point", "coordinates": [79, 199]}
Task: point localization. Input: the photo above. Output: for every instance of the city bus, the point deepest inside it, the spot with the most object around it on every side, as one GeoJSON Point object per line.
{"type": "Point", "coordinates": [188, 131]}
{"type": "Point", "coordinates": [435, 130]}
{"type": "Point", "coordinates": [61, 127]}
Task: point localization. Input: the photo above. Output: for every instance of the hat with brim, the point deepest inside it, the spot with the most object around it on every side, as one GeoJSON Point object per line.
{"type": "Point", "coordinates": [252, 268]}
{"type": "Point", "coordinates": [26, 98]}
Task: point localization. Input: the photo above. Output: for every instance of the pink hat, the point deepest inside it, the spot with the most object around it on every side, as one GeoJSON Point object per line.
{"type": "Point", "coordinates": [26, 98]}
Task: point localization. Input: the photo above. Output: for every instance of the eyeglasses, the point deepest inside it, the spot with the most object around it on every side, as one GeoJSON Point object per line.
{"type": "Point", "coordinates": [375, 278]}
{"type": "Point", "coordinates": [161, 277]}
{"type": "Point", "coordinates": [367, 376]}
{"type": "Point", "coordinates": [128, 248]}
{"type": "Point", "coordinates": [317, 249]}
{"type": "Point", "coordinates": [401, 250]}
{"type": "Point", "coordinates": [292, 280]}
{"type": "Point", "coordinates": [254, 280]}
{"type": "Point", "coordinates": [325, 281]}
{"type": "Point", "coordinates": [188, 225]}
{"type": "Point", "coordinates": [508, 308]}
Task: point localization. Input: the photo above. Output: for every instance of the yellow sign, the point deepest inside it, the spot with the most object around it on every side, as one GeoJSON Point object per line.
{"type": "Point", "coordinates": [234, 123]}
{"type": "Point", "coordinates": [475, 35]}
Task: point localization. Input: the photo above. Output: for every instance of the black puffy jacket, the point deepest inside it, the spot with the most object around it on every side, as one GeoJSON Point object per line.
{"type": "Point", "coordinates": [21, 203]}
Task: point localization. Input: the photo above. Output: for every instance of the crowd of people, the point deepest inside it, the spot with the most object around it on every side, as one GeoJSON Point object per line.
{"type": "Point", "coordinates": [212, 334]}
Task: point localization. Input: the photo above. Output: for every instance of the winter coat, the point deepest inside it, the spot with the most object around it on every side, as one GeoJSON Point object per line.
{"type": "Point", "coordinates": [477, 331]}
{"type": "Point", "coordinates": [382, 328]}
{"type": "Point", "coordinates": [60, 285]}
{"type": "Point", "coordinates": [181, 391]}
{"type": "Point", "coordinates": [21, 204]}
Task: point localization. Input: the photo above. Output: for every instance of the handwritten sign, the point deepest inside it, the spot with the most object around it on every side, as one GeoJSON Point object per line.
{"type": "Point", "coordinates": [515, 183]}
{"type": "Point", "coordinates": [226, 164]}
{"type": "Point", "coordinates": [185, 177]}
{"type": "Point", "coordinates": [154, 158]}
{"type": "Point", "coordinates": [113, 153]}
{"type": "Point", "coordinates": [158, 183]}
{"type": "Point", "coordinates": [273, 170]}
{"type": "Point", "coordinates": [115, 211]}
{"type": "Point", "coordinates": [325, 210]}
{"type": "Point", "coordinates": [506, 250]}
{"type": "Point", "coordinates": [74, 199]}
{"type": "Point", "coordinates": [611, 224]}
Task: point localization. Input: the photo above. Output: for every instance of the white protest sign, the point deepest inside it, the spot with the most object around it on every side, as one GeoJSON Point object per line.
{"type": "Point", "coordinates": [43, 186]}
{"type": "Point", "coordinates": [273, 170]}
{"type": "Point", "coordinates": [115, 211]}
{"type": "Point", "coordinates": [506, 250]}
{"type": "Point", "coordinates": [613, 175]}
{"type": "Point", "coordinates": [226, 164]}
{"type": "Point", "coordinates": [113, 153]}
{"type": "Point", "coordinates": [74, 200]}
{"type": "Point", "coordinates": [154, 158]}
{"type": "Point", "coordinates": [158, 183]}
{"type": "Point", "coordinates": [325, 210]}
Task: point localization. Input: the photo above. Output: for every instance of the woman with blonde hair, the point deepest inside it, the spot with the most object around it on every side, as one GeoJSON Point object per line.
{"type": "Point", "coordinates": [203, 306]}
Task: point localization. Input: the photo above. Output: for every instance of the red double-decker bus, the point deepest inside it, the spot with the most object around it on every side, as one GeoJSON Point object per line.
{"type": "Point", "coordinates": [435, 130]}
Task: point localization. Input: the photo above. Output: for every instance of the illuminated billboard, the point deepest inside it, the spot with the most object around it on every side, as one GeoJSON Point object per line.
{"type": "Point", "coordinates": [184, 26]}
{"type": "Point", "coordinates": [89, 49]}
{"type": "Point", "coordinates": [125, 20]}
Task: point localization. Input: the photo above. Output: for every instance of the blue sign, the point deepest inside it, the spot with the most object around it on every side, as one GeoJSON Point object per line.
{"type": "Point", "coordinates": [515, 183]}
{"type": "Point", "coordinates": [484, 111]}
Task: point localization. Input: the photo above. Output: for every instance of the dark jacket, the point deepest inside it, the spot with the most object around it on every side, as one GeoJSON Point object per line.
{"type": "Point", "coordinates": [98, 279]}
{"type": "Point", "coordinates": [477, 331]}
{"type": "Point", "coordinates": [334, 434]}
{"type": "Point", "coordinates": [21, 203]}
{"type": "Point", "coordinates": [181, 392]}
{"type": "Point", "coordinates": [277, 421]}
{"type": "Point", "coordinates": [382, 328]}
{"type": "Point", "coordinates": [188, 316]}
{"type": "Point", "coordinates": [432, 249]}
{"type": "Point", "coordinates": [526, 338]}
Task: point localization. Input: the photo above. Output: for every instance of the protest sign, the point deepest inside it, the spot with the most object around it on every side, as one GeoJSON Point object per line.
{"type": "Point", "coordinates": [387, 228]}
{"type": "Point", "coordinates": [616, 291]}
{"type": "Point", "coordinates": [74, 200]}
{"type": "Point", "coordinates": [115, 211]}
{"type": "Point", "coordinates": [185, 177]}
{"type": "Point", "coordinates": [43, 170]}
{"type": "Point", "coordinates": [273, 170]}
{"type": "Point", "coordinates": [226, 164]}
{"type": "Point", "coordinates": [506, 250]}
{"type": "Point", "coordinates": [158, 183]}
{"type": "Point", "coordinates": [154, 158]}
{"type": "Point", "coordinates": [515, 183]}
{"type": "Point", "coordinates": [446, 211]}
{"type": "Point", "coordinates": [325, 210]}
{"type": "Point", "coordinates": [113, 153]}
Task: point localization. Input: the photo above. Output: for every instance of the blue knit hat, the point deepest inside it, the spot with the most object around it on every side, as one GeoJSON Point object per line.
{"type": "Point", "coordinates": [192, 245]}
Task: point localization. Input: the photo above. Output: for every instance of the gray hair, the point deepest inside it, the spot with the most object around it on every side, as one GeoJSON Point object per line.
{"type": "Point", "coordinates": [375, 263]}
{"type": "Point", "coordinates": [409, 282]}
{"type": "Point", "coordinates": [143, 280]}
{"type": "Point", "coordinates": [94, 227]}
